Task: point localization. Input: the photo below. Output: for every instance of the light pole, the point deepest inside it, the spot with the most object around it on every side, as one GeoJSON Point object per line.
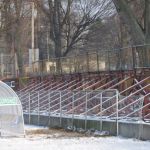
{"type": "Point", "coordinates": [32, 49]}
{"type": "Point", "coordinates": [32, 27]}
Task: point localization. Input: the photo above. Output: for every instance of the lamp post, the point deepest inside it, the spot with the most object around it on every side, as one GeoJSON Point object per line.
{"type": "Point", "coordinates": [32, 49]}
{"type": "Point", "coordinates": [32, 27]}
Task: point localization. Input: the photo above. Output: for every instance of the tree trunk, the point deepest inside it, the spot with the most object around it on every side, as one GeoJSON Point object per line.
{"type": "Point", "coordinates": [147, 34]}
{"type": "Point", "coordinates": [127, 15]}
{"type": "Point", "coordinates": [18, 51]}
{"type": "Point", "coordinates": [57, 34]}
{"type": "Point", "coordinates": [58, 55]}
{"type": "Point", "coordinates": [137, 32]}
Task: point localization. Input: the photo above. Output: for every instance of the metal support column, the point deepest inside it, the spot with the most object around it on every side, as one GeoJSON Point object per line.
{"type": "Point", "coordinates": [86, 111]}
{"type": "Point", "coordinates": [49, 106]}
{"type": "Point", "coordinates": [101, 109]}
{"type": "Point", "coordinates": [29, 107]}
{"type": "Point", "coordinates": [97, 59]}
{"type": "Point", "coordinates": [60, 109]}
{"type": "Point", "coordinates": [38, 108]}
{"type": "Point", "coordinates": [117, 99]}
{"type": "Point", "coordinates": [73, 97]}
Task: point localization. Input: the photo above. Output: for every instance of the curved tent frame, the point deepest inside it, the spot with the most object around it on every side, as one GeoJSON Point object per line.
{"type": "Point", "coordinates": [11, 113]}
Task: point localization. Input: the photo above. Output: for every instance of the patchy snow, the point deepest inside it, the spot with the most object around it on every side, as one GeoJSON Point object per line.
{"type": "Point", "coordinates": [33, 127]}
{"type": "Point", "coordinates": [73, 144]}
{"type": "Point", "coordinates": [37, 142]}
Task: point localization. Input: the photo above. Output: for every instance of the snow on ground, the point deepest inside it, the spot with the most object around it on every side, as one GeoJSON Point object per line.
{"type": "Point", "coordinates": [33, 127]}
{"type": "Point", "coordinates": [45, 142]}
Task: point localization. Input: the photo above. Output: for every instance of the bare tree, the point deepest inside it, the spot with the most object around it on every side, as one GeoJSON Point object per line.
{"type": "Point", "coordinates": [15, 27]}
{"type": "Point", "coordinates": [84, 14]}
{"type": "Point", "coordinates": [104, 35]}
{"type": "Point", "coordinates": [70, 20]}
{"type": "Point", "coordinates": [139, 28]}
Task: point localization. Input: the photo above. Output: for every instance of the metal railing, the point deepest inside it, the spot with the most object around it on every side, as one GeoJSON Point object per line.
{"type": "Point", "coordinates": [106, 103]}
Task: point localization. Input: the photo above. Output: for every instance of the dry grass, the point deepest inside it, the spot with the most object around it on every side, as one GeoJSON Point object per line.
{"type": "Point", "coordinates": [53, 133]}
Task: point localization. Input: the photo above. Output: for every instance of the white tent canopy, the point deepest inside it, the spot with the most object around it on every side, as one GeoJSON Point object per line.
{"type": "Point", "coordinates": [11, 114]}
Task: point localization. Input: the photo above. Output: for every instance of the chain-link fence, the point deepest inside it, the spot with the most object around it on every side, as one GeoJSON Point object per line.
{"type": "Point", "coordinates": [121, 59]}
{"type": "Point", "coordinates": [129, 58]}
{"type": "Point", "coordinates": [7, 66]}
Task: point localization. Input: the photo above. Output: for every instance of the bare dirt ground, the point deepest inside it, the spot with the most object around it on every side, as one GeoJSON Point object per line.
{"type": "Point", "coordinates": [53, 133]}
{"type": "Point", "coordinates": [38, 138]}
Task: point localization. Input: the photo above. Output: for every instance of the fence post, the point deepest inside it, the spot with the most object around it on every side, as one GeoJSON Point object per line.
{"type": "Point", "coordinates": [87, 59]}
{"type": "Point", "coordinates": [38, 109]}
{"type": "Point", "coordinates": [97, 59]}
{"type": "Point", "coordinates": [2, 65]}
{"type": "Point", "coordinates": [141, 122]}
{"type": "Point", "coordinates": [60, 109]}
{"type": "Point", "coordinates": [120, 67]}
{"type": "Point", "coordinates": [61, 65]}
{"type": "Point", "coordinates": [70, 65]}
{"type": "Point", "coordinates": [42, 69]}
{"type": "Point", "coordinates": [101, 109]}
{"type": "Point", "coordinates": [108, 60]}
{"type": "Point", "coordinates": [73, 98]}
{"type": "Point", "coordinates": [133, 58]}
{"type": "Point", "coordinates": [29, 107]}
{"type": "Point", "coordinates": [86, 111]}
{"type": "Point", "coordinates": [49, 105]}
{"type": "Point", "coordinates": [117, 98]}
{"type": "Point", "coordinates": [75, 63]}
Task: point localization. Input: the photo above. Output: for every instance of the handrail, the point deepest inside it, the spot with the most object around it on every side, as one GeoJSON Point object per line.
{"type": "Point", "coordinates": [57, 89]}
{"type": "Point", "coordinates": [130, 104]}
{"type": "Point", "coordinates": [98, 82]}
{"type": "Point", "coordinates": [54, 94]}
{"type": "Point", "coordinates": [122, 100]}
{"type": "Point", "coordinates": [110, 88]}
{"type": "Point", "coordinates": [138, 109]}
{"type": "Point", "coordinates": [120, 82]}
{"type": "Point", "coordinates": [82, 86]}
{"type": "Point", "coordinates": [120, 93]}
{"type": "Point", "coordinates": [76, 93]}
{"type": "Point", "coordinates": [45, 88]}
{"type": "Point", "coordinates": [32, 86]}
{"type": "Point", "coordinates": [108, 83]}
{"type": "Point", "coordinates": [64, 94]}
{"type": "Point", "coordinates": [95, 96]}
{"type": "Point", "coordinates": [28, 86]}
{"type": "Point", "coordinates": [37, 86]}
